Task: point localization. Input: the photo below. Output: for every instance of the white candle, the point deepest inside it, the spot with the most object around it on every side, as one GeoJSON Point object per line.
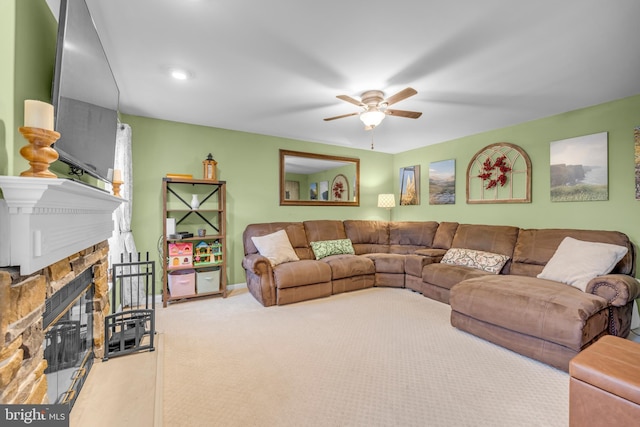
{"type": "Point", "coordinates": [38, 114]}
{"type": "Point", "coordinates": [117, 175]}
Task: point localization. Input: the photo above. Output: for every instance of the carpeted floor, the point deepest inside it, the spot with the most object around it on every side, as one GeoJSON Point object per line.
{"type": "Point", "coordinates": [377, 357]}
{"type": "Point", "coordinates": [123, 391]}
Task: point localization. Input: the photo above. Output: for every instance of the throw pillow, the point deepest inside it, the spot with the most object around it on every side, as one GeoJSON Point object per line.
{"type": "Point", "coordinates": [576, 262]}
{"type": "Point", "coordinates": [325, 248]}
{"type": "Point", "coordinates": [276, 247]}
{"type": "Point", "coordinates": [481, 260]}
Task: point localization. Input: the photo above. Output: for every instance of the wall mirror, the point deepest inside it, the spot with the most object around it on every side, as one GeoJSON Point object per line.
{"type": "Point", "coordinates": [308, 179]}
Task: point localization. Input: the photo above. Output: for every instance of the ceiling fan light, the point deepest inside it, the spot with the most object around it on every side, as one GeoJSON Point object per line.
{"type": "Point", "coordinates": [372, 118]}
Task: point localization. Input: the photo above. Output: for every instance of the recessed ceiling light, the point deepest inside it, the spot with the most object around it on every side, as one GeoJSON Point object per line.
{"type": "Point", "coordinates": [180, 74]}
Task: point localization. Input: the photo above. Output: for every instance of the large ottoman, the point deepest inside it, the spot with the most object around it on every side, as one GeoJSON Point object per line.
{"type": "Point", "coordinates": [604, 387]}
{"type": "Point", "coordinates": [542, 319]}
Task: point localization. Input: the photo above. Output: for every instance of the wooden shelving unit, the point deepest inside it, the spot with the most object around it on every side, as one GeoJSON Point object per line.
{"type": "Point", "coordinates": [177, 194]}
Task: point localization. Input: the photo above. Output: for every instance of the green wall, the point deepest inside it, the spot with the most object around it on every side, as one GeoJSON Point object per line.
{"type": "Point", "coordinates": [620, 212]}
{"type": "Point", "coordinates": [28, 34]}
{"type": "Point", "coordinates": [160, 147]}
{"type": "Point", "coordinates": [249, 164]}
{"type": "Point", "coordinates": [35, 50]}
{"type": "Point", "coordinates": [7, 54]}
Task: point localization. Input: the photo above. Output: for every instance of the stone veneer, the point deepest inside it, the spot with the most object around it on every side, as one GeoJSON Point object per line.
{"type": "Point", "coordinates": [22, 304]}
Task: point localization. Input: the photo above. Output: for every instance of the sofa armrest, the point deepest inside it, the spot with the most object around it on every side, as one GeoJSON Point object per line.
{"type": "Point", "coordinates": [257, 264]}
{"type": "Point", "coordinates": [414, 263]}
{"type": "Point", "coordinates": [617, 289]}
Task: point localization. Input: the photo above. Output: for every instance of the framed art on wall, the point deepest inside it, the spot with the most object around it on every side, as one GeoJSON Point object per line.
{"type": "Point", "coordinates": [442, 182]}
{"type": "Point", "coordinates": [578, 169]}
{"type": "Point", "coordinates": [323, 190]}
{"type": "Point", "coordinates": [313, 191]}
{"type": "Point", "coordinates": [499, 173]}
{"type": "Point", "coordinates": [340, 188]}
{"type": "Point", "coordinates": [410, 185]}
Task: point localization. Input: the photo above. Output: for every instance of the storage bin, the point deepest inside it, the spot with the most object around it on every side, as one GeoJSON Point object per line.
{"type": "Point", "coordinates": [182, 283]}
{"type": "Point", "coordinates": [208, 280]}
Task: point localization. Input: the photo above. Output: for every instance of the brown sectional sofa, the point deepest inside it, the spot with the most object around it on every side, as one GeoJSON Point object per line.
{"type": "Point", "coordinates": [542, 319]}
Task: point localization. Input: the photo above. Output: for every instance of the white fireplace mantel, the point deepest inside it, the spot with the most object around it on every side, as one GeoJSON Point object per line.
{"type": "Point", "coordinates": [43, 220]}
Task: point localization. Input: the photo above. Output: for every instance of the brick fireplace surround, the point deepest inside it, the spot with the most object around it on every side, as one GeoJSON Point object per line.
{"type": "Point", "coordinates": [51, 230]}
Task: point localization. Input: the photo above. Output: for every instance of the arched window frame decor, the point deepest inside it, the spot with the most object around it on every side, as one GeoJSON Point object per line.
{"type": "Point", "coordinates": [515, 186]}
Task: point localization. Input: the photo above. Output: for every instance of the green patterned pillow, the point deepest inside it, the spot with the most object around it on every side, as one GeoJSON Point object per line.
{"type": "Point", "coordinates": [325, 248]}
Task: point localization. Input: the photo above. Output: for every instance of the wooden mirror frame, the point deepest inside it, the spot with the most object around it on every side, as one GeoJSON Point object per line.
{"type": "Point", "coordinates": [354, 193]}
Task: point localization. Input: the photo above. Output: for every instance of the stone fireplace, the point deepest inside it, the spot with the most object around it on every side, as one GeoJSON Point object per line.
{"type": "Point", "coordinates": [53, 286]}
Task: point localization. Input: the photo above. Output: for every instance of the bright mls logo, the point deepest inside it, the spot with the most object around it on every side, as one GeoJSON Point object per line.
{"type": "Point", "coordinates": [34, 415]}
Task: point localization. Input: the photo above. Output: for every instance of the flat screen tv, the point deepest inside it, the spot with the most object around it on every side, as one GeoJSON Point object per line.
{"type": "Point", "coordinates": [85, 95]}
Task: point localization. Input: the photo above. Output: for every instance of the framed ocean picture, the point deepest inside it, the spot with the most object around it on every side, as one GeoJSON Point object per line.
{"type": "Point", "coordinates": [579, 168]}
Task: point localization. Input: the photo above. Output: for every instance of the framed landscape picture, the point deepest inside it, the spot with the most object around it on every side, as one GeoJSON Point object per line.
{"type": "Point", "coordinates": [410, 185]}
{"type": "Point", "coordinates": [579, 169]}
{"type": "Point", "coordinates": [442, 182]}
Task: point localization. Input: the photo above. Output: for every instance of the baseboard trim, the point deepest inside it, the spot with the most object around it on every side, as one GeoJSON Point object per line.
{"type": "Point", "coordinates": [158, 297]}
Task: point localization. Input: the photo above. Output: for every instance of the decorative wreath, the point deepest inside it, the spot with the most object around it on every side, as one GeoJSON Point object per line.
{"type": "Point", "coordinates": [338, 189]}
{"type": "Point", "coordinates": [498, 166]}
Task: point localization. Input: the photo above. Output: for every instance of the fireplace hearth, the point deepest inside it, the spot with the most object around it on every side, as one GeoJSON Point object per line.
{"type": "Point", "coordinates": [52, 231]}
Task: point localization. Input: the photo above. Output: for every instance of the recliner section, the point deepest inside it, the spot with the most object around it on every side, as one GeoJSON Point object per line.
{"type": "Point", "coordinates": [542, 319]}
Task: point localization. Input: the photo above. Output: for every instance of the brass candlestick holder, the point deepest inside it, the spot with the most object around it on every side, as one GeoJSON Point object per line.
{"type": "Point", "coordinates": [38, 152]}
{"type": "Point", "coordinates": [116, 187]}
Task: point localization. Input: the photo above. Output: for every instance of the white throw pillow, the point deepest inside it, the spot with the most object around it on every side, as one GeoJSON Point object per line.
{"type": "Point", "coordinates": [276, 247]}
{"type": "Point", "coordinates": [481, 260]}
{"type": "Point", "coordinates": [576, 262]}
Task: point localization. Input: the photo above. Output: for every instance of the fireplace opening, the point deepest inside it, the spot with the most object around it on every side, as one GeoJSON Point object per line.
{"type": "Point", "coordinates": [68, 339]}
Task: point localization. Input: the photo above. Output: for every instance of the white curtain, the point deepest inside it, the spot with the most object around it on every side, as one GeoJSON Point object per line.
{"type": "Point", "coordinates": [121, 243]}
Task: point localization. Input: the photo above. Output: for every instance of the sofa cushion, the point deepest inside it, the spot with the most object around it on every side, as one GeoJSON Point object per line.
{"type": "Point", "coordinates": [499, 239]}
{"type": "Point", "coordinates": [535, 247]}
{"type": "Point", "coordinates": [444, 235]}
{"type": "Point", "coordinates": [388, 263]}
{"type": "Point", "coordinates": [413, 264]}
{"type": "Point", "coordinates": [301, 273]}
{"type": "Point", "coordinates": [317, 230]}
{"type": "Point", "coordinates": [576, 262]}
{"type": "Point", "coordinates": [447, 275]}
{"type": "Point", "coordinates": [345, 266]}
{"type": "Point", "coordinates": [486, 261]}
{"type": "Point", "coordinates": [295, 232]}
{"type": "Point", "coordinates": [276, 247]}
{"type": "Point", "coordinates": [535, 307]}
{"type": "Point", "coordinates": [407, 236]}
{"type": "Point", "coordinates": [368, 236]}
{"type": "Point", "coordinates": [325, 248]}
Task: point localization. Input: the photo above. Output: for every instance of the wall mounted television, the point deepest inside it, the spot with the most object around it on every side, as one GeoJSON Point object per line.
{"type": "Point", "coordinates": [85, 95]}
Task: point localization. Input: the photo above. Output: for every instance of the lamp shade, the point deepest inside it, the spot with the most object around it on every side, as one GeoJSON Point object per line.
{"type": "Point", "coordinates": [386, 201]}
{"type": "Point", "coordinates": [372, 118]}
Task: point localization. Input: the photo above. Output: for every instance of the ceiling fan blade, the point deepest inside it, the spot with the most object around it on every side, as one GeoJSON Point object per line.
{"type": "Point", "coordinates": [403, 94]}
{"type": "Point", "coordinates": [340, 117]}
{"type": "Point", "coordinates": [403, 113]}
{"type": "Point", "coordinates": [350, 100]}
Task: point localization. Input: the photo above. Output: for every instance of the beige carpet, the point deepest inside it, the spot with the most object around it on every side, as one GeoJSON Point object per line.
{"type": "Point", "coordinates": [378, 357]}
{"type": "Point", "coordinates": [123, 391]}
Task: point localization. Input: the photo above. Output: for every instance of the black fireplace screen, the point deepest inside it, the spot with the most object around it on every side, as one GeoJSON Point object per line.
{"type": "Point", "coordinates": [68, 340]}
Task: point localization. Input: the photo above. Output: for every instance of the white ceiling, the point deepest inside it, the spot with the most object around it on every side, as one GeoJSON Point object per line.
{"type": "Point", "coordinates": [275, 67]}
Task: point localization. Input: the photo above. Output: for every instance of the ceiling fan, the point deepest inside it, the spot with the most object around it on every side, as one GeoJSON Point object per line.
{"type": "Point", "coordinates": [375, 107]}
